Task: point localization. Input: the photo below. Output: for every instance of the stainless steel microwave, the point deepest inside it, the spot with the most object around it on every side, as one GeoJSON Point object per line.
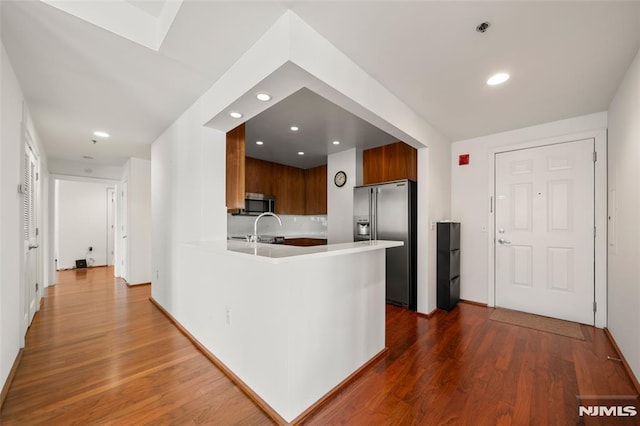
{"type": "Point", "coordinates": [255, 204]}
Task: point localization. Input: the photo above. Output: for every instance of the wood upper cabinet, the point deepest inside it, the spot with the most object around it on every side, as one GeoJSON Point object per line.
{"type": "Point", "coordinates": [258, 176]}
{"type": "Point", "coordinates": [316, 190]}
{"type": "Point", "coordinates": [235, 170]}
{"type": "Point", "coordinates": [289, 189]}
{"type": "Point", "coordinates": [389, 162]}
{"type": "Point", "coordinates": [286, 183]}
{"type": "Point", "coordinates": [297, 191]}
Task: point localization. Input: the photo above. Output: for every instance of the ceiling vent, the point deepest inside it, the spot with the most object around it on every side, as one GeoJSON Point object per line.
{"type": "Point", "coordinates": [483, 27]}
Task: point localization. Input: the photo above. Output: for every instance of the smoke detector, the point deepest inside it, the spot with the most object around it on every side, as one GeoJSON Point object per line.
{"type": "Point", "coordinates": [483, 27]}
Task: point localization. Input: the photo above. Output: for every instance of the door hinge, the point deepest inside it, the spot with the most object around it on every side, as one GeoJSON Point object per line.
{"type": "Point", "coordinates": [594, 231]}
{"type": "Point", "coordinates": [595, 156]}
{"type": "Point", "coordinates": [595, 306]}
{"type": "Point", "coordinates": [36, 287]}
{"type": "Point", "coordinates": [37, 176]}
{"type": "Point", "coordinates": [37, 232]}
{"type": "Point", "coordinates": [20, 188]}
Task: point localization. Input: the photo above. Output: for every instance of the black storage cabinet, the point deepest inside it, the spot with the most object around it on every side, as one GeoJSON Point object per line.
{"type": "Point", "coordinates": [448, 265]}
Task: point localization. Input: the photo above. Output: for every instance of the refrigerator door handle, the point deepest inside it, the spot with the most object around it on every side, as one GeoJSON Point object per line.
{"type": "Point", "coordinates": [370, 214]}
{"type": "Point", "coordinates": [374, 219]}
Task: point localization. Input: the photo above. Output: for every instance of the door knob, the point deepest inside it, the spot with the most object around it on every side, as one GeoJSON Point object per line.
{"type": "Point", "coordinates": [503, 241]}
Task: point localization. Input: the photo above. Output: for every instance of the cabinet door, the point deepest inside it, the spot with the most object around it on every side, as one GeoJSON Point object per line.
{"type": "Point", "coordinates": [373, 166]}
{"type": "Point", "coordinates": [316, 190]}
{"type": "Point", "coordinates": [288, 189]}
{"type": "Point", "coordinates": [235, 180]}
{"type": "Point", "coordinates": [391, 162]}
{"type": "Point", "coordinates": [401, 162]}
{"type": "Point", "coordinates": [258, 176]}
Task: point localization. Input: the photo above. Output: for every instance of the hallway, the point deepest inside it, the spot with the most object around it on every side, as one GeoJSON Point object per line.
{"type": "Point", "coordinates": [99, 352]}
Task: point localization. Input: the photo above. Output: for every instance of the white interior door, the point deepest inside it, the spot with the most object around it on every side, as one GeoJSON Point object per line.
{"type": "Point", "coordinates": [544, 230]}
{"type": "Point", "coordinates": [30, 233]}
{"type": "Point", "coordinates": [111, 230]}
{"type": "Point", "coordinates": [124, 230]}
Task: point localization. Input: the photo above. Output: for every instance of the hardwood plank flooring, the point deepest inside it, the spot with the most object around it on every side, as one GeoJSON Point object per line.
{"type": "Point", "coordinates": [100, 353]}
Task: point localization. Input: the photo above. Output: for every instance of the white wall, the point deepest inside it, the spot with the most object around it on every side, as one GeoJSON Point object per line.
{"type": "Point", "coordinates": [340, 200]}
{"type": "Point", "coordinates": [187, 197]}
{"type": "Point", "coordinates": [14, 120]}
{"type": "Point", "coordinates": [137, 174]}
{"type": "Point", "coordinates": [471, 191]}
{"type": "Point", "coordinates": [434, 204]}
{"type": "Point", "coordinates": [182, 186]}
{"type": "Point", "coordinates": [11, 338]}
{"type": "Point", "coordinates": [3, 356]}
{"type": "Point", "coordinates": [84, 169]}
{"type": "Point", "coordinates": [624, 237]}
{"type": "Point", "coordinates": [188, 159]}
{"type": "Point", "coordinates": [81, 222]}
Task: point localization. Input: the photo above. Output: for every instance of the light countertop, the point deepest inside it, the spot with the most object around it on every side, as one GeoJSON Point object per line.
{"type": "Point", "coordinates": [279, 253]}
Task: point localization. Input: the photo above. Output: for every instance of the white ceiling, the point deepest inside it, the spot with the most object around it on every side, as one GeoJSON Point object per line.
{"type": "Point", "coordinates": [320, 122]}
{"type": "Point", "coordinates": [565, 58]}
{"type": "Point", "coordinates": [152, 7]}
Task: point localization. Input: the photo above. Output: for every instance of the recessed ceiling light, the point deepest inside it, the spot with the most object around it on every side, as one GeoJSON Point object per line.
{"type": "Point", "coordinates": [300, 153]}
{"type": "Point", "coordinates": [264, 97]}
{"type": "Point", "coordinates": [498, 78]}
{"type": "Point", "coordinates": [259, 143]}
{"type": "Point", "coordinates": [101, 134]}
{"type": "Point", "coordinates": [336, 142]}
{"type": "Point", "coordinates": [235, 114]}
{"type": "Point", "coordinates": [294, 128]}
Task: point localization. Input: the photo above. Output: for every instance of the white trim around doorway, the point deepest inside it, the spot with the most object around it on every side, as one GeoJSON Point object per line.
{"type": "Point", "coordinates": [600, 210]}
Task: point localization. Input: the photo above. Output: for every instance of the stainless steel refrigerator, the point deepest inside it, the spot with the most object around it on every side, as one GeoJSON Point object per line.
{"type": "Point", "coordinates": [388, 211]}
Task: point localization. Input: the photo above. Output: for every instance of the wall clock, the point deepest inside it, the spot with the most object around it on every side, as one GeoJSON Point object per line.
{"type": "Point", "coordinates": [340, 179]}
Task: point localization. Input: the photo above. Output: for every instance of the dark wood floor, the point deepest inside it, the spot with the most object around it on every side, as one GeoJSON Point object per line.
{"type": "Point", "coordinates": [100, 352]}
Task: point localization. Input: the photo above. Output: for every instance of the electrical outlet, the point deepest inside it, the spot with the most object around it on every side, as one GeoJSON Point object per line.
{"type": "Point", "coordinates": [433, 225]}
{"type": "Point", "coordinates": [228, 314]}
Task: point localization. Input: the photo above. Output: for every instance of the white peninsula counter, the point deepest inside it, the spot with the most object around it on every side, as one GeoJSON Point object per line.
{"type": "Point", "coordinates": [291, 322]}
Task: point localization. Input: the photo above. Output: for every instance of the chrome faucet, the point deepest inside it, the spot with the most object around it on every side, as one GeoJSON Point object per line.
{"type": "Point", "coordinates": [254, 237]}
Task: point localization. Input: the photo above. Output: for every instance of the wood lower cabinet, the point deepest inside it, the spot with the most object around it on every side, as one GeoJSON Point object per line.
{"type": "Point", "coordinates": [391, 162]}
{"type": "Point", "coordinates": [305, 242]}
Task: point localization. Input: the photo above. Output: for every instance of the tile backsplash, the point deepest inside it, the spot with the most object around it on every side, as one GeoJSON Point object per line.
{"type": "Point", "coordinates": [292, 226]}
